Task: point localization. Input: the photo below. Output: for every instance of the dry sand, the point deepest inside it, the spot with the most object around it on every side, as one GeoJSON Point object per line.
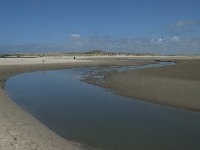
{"type": "Point", "coordinates": [18, 129]}
{"type": "Point", "coordinates": [177, 85]}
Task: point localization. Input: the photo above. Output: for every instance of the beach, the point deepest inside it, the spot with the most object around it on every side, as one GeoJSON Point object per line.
{"type": "Point", "coordinates": [175, 85]}
{"type": "Point", "coordinates": [19, 130]}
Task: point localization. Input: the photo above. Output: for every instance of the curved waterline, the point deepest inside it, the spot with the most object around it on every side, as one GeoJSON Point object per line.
{"type": "Point", "coordinates": [92, 115]}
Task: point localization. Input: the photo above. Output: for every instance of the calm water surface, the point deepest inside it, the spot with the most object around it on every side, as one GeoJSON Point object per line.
{"type": "Point", "coordinates": [100, 119]}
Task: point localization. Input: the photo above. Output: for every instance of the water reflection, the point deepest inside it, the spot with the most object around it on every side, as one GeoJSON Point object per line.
{"type": "Point", "coordinates": [100, 119]}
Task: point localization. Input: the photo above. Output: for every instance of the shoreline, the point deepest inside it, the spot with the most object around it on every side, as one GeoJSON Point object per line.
{"type": "Point", "coordinates": [175, 85]}
{"type": "Point", "coordinates": [19, 130]}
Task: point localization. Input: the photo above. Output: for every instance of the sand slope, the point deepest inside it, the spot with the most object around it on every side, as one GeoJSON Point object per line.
{"type": "Point", "coordinates": [20, 131]}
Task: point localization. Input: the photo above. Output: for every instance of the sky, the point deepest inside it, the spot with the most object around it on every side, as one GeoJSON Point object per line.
{"type": "Point", "coordinates": [136, 26]}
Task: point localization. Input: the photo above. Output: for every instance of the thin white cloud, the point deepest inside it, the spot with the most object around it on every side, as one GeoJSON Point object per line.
{"type": "Point", "coordinates": [185, 23]}
{"type": "Point", "coordinates": [183, 27]}
{"type": "Point", "coordinates": [157, 41]}
{"type": "Point", "coordinates": [170, 45]}
{"type": "Point", "coordinates": [74, 37]}
{"type": "Point", "coordinates": [162, 45]}
{"type": "Point", "coordinates": [175, 38]}
{"type": "Point", "coordinates": [160, 40]}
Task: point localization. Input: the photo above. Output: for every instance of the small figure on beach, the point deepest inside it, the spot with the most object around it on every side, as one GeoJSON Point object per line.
{"type": "Point", "coordinates": [74, 57]}
{"type": "Point", "coordinates": [43, 61]}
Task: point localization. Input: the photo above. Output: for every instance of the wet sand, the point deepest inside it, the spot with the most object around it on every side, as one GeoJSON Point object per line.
{"type": "Point", "coordinates": [18, 129]}
{"type": "Point", "coordinates": [177, 85]}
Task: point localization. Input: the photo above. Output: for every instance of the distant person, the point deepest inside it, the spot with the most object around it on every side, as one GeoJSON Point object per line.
{"type": "Point", "coordinates": [74, 57]}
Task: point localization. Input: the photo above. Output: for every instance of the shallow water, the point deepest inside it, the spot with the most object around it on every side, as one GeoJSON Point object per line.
{"type": "Point", "coordinates": [98, 72]}
{"type": "Point", "coordinates": [100, 119]}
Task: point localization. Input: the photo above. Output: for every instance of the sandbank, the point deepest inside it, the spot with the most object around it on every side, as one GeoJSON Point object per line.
{"type": "Point", "coordinates": [177, 85]}
{"type": "Point", "coordinates": [19, 130]}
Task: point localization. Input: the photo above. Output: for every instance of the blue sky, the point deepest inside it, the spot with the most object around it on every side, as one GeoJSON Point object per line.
{"type": "Point", "coordinates": [142, 26]}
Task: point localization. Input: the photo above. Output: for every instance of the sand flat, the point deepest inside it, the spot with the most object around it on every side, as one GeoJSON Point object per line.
{"type": "Point", "coordinates": [177, 85]}
{"type": "Point", "coordinates": [19, 130]}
